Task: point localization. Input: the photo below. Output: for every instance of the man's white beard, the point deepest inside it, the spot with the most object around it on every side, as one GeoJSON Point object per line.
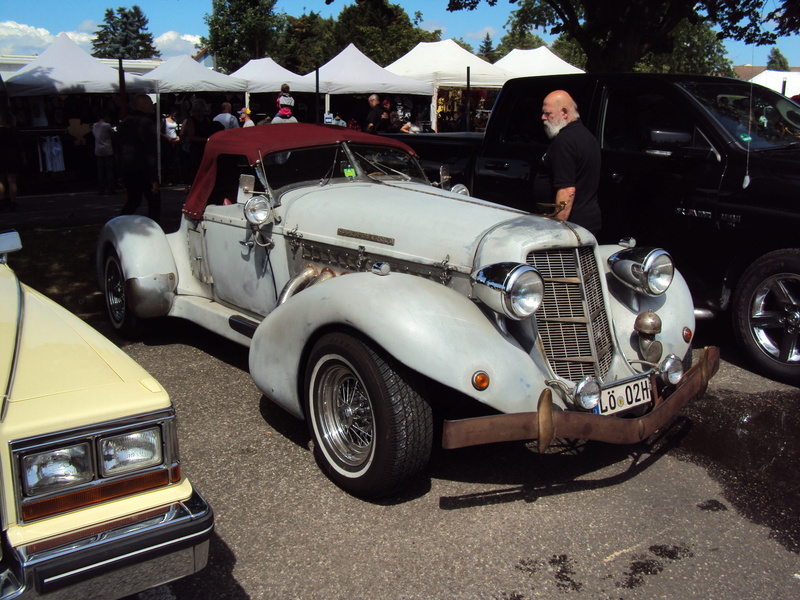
{"type": "Point", "coordinates": [551, 129]}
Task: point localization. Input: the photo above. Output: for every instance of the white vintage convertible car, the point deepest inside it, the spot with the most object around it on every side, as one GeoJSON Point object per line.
{"type": "Point", "coordinates": [381, 308]}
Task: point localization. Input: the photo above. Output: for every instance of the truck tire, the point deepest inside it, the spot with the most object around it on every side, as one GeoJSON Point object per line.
{"type": "Point", "coordinates": [766, 314]}
{"type": "Point", "coordinates": [119, 311]}
{"type": "Point", "coordinates": [372, 430]}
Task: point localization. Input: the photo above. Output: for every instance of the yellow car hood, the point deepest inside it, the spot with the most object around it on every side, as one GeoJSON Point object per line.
{"type": "Point", "coordinates": [61, 357]}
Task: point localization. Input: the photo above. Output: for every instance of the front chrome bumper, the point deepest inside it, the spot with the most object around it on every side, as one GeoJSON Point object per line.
{"type": "Point", "coordinates": [147, 551]}
{"type": "Point", "coordinates": [546, 423]}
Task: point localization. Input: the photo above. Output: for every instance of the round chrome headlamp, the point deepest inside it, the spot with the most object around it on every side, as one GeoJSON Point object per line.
{"type": "Point", "coordinates": [587, 393]}
{"type": "Point", "coordinates": [511, 289]}
{"type": "Point", "coordinates": [671, 369]}
{"type": "Point", "coordinates": [257, 210]}
{"type": "Point", "coordinates": [646, 270]}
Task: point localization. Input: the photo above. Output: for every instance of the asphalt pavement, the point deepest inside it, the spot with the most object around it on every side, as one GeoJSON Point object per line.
{"type": "Point", "coordinates": [73, 208]}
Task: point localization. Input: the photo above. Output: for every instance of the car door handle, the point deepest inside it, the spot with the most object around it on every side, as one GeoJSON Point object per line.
{"type": "Point", "coordinates": [616, 178]}
{"type": "Point", "coordinates": [496, 165]}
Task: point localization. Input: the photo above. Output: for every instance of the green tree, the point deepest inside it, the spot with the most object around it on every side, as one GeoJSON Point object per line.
{"type": "Point", "coordinates": [308, 42]}
{"type": "Point", "coordinates": [382, 31]}
{"type": "Point", "coordinates": [241, 30]}
{"type": "Point", "coordinates": [696, 51]}
{"type": "Point", "coordinates": [616, 34]}
{"type": "Point", "coordinates": [568, 49]}
{"type": "Point", "coordinates": [124, 35]}
{"type": "Point", "coordinates": [777, 61]}
{"type": "Point", "coordinates": [465, 45]}
{"type": "Point", "coordinates": [486, 49]}
{"type": "Point", "coordinates": [524, 40]}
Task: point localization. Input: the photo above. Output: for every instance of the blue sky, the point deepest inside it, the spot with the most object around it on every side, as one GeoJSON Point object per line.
{"type": "Point", "coordinates": [177, 25]}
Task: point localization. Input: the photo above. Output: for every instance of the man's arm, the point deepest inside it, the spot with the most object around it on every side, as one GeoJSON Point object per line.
{"type": "Point", "coordinates": [564, 199]}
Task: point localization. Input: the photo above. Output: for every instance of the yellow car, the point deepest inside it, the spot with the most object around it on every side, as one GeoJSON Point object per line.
{"type": "Point", "coordinates": [94, 503]}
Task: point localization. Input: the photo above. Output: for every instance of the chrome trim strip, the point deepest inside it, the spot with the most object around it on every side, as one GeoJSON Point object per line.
{"type": "Point", "coordinates": [17, 347]}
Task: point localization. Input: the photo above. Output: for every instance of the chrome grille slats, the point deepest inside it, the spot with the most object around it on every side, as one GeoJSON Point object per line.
{"type": "Point", "coordinates": [572, 321]}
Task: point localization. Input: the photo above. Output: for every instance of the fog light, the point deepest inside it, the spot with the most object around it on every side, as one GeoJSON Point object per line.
{"type": "Point", "coordinates": [671, 369]}
{"type": "Point", "coordinates": [587, 393]}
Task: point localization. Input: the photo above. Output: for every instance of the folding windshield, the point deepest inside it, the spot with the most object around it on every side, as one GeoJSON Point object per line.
{"type": "Point", "coordinates": [755, 116]}
{"type": "Point", "coordinates": [326, 164]}
{"type": "Point", "coordinates": [387, 163]}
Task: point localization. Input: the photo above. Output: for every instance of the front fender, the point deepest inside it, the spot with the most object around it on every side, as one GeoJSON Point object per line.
{"type": "Point", "coordinates": [148, 265]}
{"type": "Point", "coordinates": [428, 327]}
{"type": "Point", "coordinates": [674, 307]}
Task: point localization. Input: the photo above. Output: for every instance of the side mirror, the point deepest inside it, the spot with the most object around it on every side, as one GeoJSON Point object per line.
{"type": "Point", "coordinates": [9, 242]}
{"type": "Point", "coordinates": [246, 185]}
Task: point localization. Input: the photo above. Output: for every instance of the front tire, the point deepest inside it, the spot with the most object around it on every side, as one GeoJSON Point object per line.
{"type": "Point", "coordinates": [119, 311]}
{"type": "Point", "coordinates": [766, 314]}
{"type": "Point", "coordinates": [372, 431]}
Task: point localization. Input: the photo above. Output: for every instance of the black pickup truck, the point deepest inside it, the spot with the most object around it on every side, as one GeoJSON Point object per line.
{"type": "Point", "coordinates": [706, 167]}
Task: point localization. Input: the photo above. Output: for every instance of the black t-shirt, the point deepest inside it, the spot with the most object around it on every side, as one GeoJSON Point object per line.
{"type": "Point", "coordinates": [571, 160]}
{"type": "Point", "coordinates": [374, 118]}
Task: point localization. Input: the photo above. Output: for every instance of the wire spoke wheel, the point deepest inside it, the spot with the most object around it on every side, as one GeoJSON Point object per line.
{"type": "Point", "coordinates": [345, 418]}
{"type": "Point", "coordinates": [372, 429]}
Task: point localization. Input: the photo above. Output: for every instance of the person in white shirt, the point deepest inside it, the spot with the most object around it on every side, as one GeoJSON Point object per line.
{"type": "Point", "coordinates": [225, 118]}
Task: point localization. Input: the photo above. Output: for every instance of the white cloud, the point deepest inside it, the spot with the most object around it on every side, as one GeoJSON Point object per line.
{"type": "Point", "coordinates": [173, 43]}
{"type": "Point", "coordinates": [433, 25]}
{"type": "Point", "coordinates": [24, 40]}
{"type": "Point", "coordinates": [88, 26]}
{"type": "Point", "coordinates": [481, 33]}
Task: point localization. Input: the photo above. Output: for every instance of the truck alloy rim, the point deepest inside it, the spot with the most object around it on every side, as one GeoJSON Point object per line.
{"type": "Point", "coordinates": [775, 317]}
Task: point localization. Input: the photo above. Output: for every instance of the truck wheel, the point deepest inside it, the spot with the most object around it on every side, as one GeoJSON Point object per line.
{"type": "Point", "coordinates": [372, 431]}
{"type": "Point", "coordinates": [120, 314]}
{"type": "Point", "coordinates": [766, 314]}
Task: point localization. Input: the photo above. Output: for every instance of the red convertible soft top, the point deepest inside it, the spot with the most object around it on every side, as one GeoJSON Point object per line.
{"type": "Point", "coordinates": [266, 139]}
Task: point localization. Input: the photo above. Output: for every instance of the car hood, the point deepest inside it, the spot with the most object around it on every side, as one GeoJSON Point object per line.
{"type": "Point", "coordinates": [61, 360]}
{"type": "Point", "coordinates": [387, 220]}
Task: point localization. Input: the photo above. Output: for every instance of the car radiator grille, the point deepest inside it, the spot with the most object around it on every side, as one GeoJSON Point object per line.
{"type": "Point", "coordinates": [572, 320]}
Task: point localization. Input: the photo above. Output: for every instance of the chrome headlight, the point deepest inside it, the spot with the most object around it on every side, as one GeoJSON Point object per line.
{"type": "Point", "coordinates": [646, 270]}
{"type": "Point", "coordinates": [511, 289]}
{"type": "Point", "coordinates": [257, 210]}
{"type": "Point", "coordinates": [587, 393]}
{"type": "Point", "coordinates": [671, 369]}
{"type": "Point", "coordinates": [130, 452]}
{"type": "Point", "coordinates": [53, 470]}
{"type": "Point", "coordinates": [460, 188]}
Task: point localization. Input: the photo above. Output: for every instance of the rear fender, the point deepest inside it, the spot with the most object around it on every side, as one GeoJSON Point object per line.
{"type": "Point", "coordinates": [147, 263]}
{"type": "Point", "coordinates": [428, 327]}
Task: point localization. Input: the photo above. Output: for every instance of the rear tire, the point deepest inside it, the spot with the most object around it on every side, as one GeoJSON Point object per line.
{"type": "Point", "coordinates": [119, 311]}
{"type": "Point", "coordinates": [766, 315]}
{"type": "Point", "coordinates": [372, 431]}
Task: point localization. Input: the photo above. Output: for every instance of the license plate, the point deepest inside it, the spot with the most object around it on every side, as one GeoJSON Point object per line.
{"type": "Point", "coordinates": [624, 396]}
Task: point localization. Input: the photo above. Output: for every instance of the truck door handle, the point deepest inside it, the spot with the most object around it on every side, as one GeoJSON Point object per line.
{"type": "Point", "coordinates": [496, 165]}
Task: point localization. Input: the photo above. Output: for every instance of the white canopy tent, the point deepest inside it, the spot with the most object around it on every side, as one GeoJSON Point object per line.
{"type": "Point", "coordinates": [783, 82]}
{"type": "Point", "coordinates": [538, 61]}
{"type": "Point", "coordinates": [184, 74]}
{"type": "Point", "coordinates": [351, 72]}
{"type": "Point", "coordinates": [264, 75]}
{"type": "Point", "coordinates": [65, 68]}
{"type": "Point", "coordinates": [444, 64]}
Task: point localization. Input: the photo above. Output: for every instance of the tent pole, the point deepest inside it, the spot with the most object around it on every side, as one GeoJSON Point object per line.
{"type": "Point", "coordinates": [467, 118]}
{"type": "Point", "coordinates": [316, 99]}
{"type": "Point", "coordinates": [434, 106]}
{"type": "Point", "coordinates": [123, 100]}
{"type": "Point", "coordinates": [158, 135]}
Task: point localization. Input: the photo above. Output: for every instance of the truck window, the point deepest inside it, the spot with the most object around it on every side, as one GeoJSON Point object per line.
{"type": "Point", "coordinates": [645, 121]}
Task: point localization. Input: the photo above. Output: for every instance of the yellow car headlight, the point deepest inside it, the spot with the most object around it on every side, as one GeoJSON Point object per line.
{"type": "Point", "coordinates": [53, 470]}
{"type": "Point", "coordinates": [132, 451]}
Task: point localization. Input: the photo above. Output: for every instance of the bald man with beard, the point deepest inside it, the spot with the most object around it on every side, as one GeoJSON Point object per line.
{"type": "Point", "coordinates": [569, 173]}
